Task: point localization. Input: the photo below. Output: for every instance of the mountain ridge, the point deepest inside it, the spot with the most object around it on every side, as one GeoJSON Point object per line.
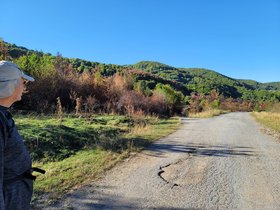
{"type": "Point", "coordinates": [143, 63]}
{"type": "Point", "coordinates": [151, 73]}
{"type": "Point", "coordinates": [17, 51]}
{"type": "Point", "coordinates": [162, 70]}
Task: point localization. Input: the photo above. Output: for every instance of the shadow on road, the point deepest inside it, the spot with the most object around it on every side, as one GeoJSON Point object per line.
{"type": "Point", "coordinates": [158, 149]}
{"type": "Point", "coordinates": [106, 201]}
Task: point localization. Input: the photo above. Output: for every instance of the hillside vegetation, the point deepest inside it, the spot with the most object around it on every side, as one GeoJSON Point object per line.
{"type": "Point", "coordinates": [146, 87]}
{"type": "Point", "coordinates": [204, 81]}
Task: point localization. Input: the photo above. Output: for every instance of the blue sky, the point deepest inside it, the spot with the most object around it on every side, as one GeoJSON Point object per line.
{"type": "Point", "coordinates": [238, 38]}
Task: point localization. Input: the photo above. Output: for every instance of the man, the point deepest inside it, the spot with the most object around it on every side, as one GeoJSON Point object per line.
{"type": "Point", "coordinates": [16, 180]}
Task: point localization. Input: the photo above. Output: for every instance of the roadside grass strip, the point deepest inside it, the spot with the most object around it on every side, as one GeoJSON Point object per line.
{"type": "Point", "coordinates": [269, 119]}
{"type": "Point", "coordinates": [76, 150]}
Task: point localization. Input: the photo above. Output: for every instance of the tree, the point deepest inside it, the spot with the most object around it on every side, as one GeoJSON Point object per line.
{"type": "Point", "coordinates": [61, 65]}
{"type": "Point", "coordinates": [3, 51]}
{"type": "Point", "coordinates": [174, 98]}
{"type": "Point", "coordinates": [37, 66]}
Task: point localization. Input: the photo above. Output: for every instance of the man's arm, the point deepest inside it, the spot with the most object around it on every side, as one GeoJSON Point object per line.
{"type": "Point", "coordinates": [3, 136]}
{"type": "Point", "coordinates": [2, 144]}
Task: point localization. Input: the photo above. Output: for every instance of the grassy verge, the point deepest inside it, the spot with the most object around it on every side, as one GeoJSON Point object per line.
{"type": "Point", "coordinates": [207, 114]}
{"type": "Point", "coordinates": [76, 150]}
{"type": "Point", "coordinates": [65, 175]}
{"type": "Point", "coordinates": [269, 119]}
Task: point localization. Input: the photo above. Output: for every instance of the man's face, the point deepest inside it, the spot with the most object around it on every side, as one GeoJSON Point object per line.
{"type": "Point", "coordinates": [19, 90]}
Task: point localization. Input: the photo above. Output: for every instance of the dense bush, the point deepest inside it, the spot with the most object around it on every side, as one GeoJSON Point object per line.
{"type": "Point", "coordinates": [86, 87]}
{"type": "Point", "coordinates": [198, 103]}
{"type": "Point", "coordinates": [86, 93]}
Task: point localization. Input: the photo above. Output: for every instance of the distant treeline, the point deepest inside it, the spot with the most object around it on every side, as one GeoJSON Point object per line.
{"type": "Point", "coordinates": [143, 88]}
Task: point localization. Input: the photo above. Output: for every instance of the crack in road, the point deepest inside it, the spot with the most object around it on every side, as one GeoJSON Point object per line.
{"type": "Point", "coordinates": [170, 178]}
{"type": "Point", "coordinates": [162, 171]}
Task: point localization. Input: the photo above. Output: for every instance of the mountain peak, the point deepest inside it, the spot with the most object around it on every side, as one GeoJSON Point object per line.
{"type": "Point", "coordinates": [152, 65]}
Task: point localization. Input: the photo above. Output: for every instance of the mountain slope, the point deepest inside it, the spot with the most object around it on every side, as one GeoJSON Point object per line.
{"type": "Point", "coordinates": [185, 80]}
{"type": "Point", "coordinates": [204, 80]}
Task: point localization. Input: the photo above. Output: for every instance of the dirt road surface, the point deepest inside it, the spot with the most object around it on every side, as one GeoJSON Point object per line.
{"type": "Point", "coordinates": [225, 162]}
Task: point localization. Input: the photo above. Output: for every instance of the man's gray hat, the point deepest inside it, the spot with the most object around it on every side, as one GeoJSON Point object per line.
{"type": "Point", "coordinates": [9, 75]}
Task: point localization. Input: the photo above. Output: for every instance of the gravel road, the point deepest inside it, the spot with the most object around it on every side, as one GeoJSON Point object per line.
{"type": "Point", "coordinates": [225, 162]}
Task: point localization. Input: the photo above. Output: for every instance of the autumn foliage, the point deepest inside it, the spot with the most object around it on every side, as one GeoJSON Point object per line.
{"type": "Point", "coordinates": [83, 87]}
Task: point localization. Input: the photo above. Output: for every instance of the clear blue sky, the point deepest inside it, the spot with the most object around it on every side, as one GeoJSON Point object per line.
{"type": "Point", "coordinates": [238, 38]}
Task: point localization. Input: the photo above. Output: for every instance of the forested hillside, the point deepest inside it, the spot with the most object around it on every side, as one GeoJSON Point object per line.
{"type": "Point", "coordinates": [261, 86]}
{"type": "Point", "coordinates": [204, 80]}
{"type": "Point", "coordinates": [148, 87]}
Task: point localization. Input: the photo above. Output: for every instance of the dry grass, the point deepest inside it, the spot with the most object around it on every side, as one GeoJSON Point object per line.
{"type": "Point", "coordinates": [269, 119]}
{"type": "Point", "coordinates": [275, 108]}
{"type": "Point", "coordinates": [140, 129]}
{"type": "Point", "coordinates": [207, 114]}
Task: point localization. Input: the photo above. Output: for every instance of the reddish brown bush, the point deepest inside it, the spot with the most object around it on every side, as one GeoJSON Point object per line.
{"type": "Point", "coordinates": [114, 94]}
{"type": "Point", "coordinates": [131, 102]}
{"type": "Point", "coordinates": [158, 104]}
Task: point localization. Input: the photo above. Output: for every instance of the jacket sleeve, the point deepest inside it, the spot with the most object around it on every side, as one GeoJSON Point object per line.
{"type": "Point", "coordinates": [2, 144]}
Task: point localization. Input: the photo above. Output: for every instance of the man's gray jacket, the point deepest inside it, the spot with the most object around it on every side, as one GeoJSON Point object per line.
{"type": "Point", "coordinates": [14, 161]}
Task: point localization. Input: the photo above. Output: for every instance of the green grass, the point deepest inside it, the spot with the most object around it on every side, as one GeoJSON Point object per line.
{"type": "Point", "coordinates": [71, 172]}
{"type": "Point", "coordinates": [76, 150]}
{"type": "Point", "coordinates": [49, 138]}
